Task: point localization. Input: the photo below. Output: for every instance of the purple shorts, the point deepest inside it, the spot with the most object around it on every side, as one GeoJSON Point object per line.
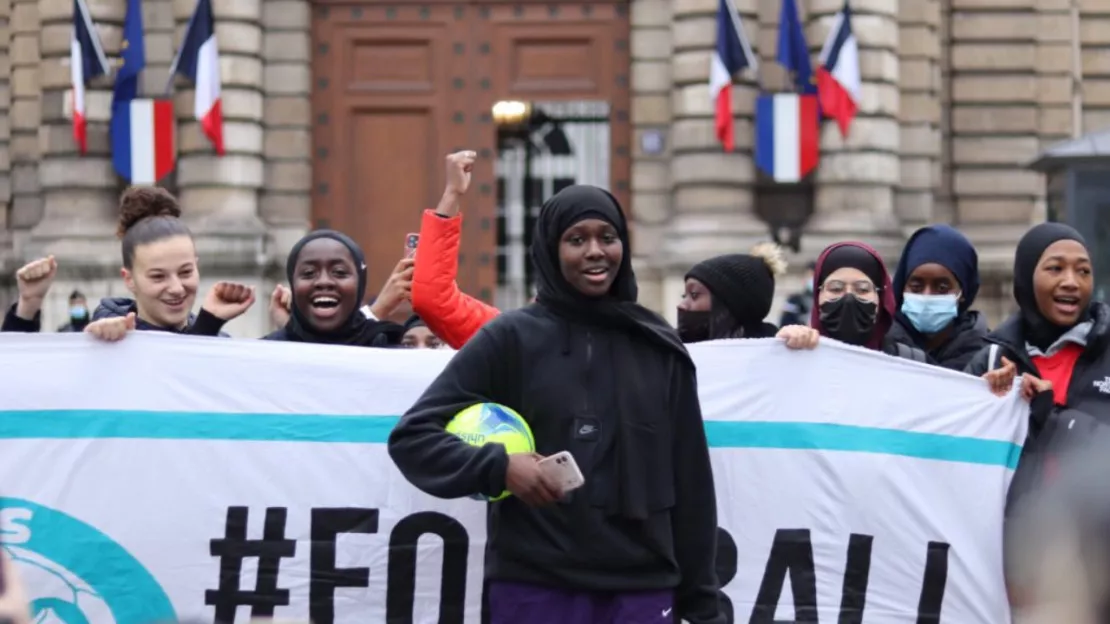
{"type": "Point", "coordinates": [516, 603]}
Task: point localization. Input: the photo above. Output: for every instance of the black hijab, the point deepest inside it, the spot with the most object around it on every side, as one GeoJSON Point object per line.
{"type": "Point", "coordinates": [1039, 331]}
{"type": "Point", "coordinates": [625, 493]}
{"type": "Point", "coordinates": [357, 330]}
{"type": "Point", "coordinates": [619, 309]}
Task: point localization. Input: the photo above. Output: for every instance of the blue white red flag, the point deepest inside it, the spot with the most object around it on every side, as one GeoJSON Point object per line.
{"type": "Point", "coordinates": [143, 146]}
{"type": "Point", "coordinates": [199, 61]}
{"type": "Point", "coordinates": [142, 130]}
{"type": "Point", "coordinates": [86, 61]}
{"type": "Point", "coordinates": [786, 135]}
{"type": "Point", "coordinates": [732, 55]}
{"type": "Point", "coordinates": [838, 75]}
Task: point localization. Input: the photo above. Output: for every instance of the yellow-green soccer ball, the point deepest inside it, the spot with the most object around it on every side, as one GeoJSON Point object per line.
{"type": "Point", "coordinates": [483, 423]}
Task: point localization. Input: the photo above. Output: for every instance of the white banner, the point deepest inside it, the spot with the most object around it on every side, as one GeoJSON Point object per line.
{"type": "Point", "coordinates": [168, 477]}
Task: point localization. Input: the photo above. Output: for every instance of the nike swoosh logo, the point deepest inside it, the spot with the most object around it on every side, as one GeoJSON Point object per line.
{"type": "Point", "coordinates": [666, 612]}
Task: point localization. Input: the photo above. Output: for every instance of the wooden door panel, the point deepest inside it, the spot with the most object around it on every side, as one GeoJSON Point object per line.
{"type": "Point", "coordinates": [398, 85]}
{"type": "Point", "coordinates": [389, 150]}
{"type": "Point", "coordinates": [391, 76]}
{"type": "Point", "coordinates": [570, 60]}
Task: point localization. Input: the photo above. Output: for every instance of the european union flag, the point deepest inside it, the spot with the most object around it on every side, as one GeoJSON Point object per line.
{"type": "Point", "coordinates": [793, 53]}
{"type": "Point", "coordinates": [132, 53]}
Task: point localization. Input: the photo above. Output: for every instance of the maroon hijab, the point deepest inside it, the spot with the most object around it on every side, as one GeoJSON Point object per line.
{"type": "Point", "coordinates": [875, 270]}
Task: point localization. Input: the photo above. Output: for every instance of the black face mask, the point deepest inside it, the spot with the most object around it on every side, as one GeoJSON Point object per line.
{"type": "Point", "coordinates": [848, 319]}
{"type": "Point", "coordinates": [693, 326]}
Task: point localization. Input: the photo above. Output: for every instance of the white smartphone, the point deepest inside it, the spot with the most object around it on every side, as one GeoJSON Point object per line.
{"type": "Point", "coordinates": [562, 467]}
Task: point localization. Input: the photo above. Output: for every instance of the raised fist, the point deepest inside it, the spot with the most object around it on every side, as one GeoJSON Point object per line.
{"type": "Point", "coordinates": [281, 302]}
{"type": "Point", "coordinates": [35, 277]}
{"type": "Point", "coordinates": [227, 300]}
{"type": "Point", "coordinates": [459, 166]}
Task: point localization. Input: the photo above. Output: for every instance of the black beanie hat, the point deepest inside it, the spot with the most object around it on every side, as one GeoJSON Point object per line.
{"type": "Point", "coordinates": [743, 283]}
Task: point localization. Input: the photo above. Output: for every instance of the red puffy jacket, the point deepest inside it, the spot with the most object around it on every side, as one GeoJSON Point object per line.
{"type": "Point", "coordinates": [448, 312]}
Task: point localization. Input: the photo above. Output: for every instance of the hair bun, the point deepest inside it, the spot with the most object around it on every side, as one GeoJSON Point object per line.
{"type": "Point", "coordinates": [772, 256]}
{"type": "Point", "coordinates": [140, 202]}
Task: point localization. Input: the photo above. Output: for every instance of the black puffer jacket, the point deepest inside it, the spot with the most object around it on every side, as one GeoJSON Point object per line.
{"type": "Point", "coordinates": [203, 324]}
{"type": "Point", "coordinates": [968, 338]}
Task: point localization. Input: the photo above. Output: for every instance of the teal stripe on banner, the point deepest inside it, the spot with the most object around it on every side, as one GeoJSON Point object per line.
{"type": "Point", "coordinates": [60, 424]}
{"type": "Point", "coordinates": [834, 437]}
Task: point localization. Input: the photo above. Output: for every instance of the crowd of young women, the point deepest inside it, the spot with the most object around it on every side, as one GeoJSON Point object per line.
{"type": "Point", "coordinates": [638, 543]}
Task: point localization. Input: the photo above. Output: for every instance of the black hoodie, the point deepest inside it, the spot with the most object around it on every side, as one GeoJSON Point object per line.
{"type": "Point", "coordinates": [203, 324]}
{"type": "Point", "coordinates": [608, 381]}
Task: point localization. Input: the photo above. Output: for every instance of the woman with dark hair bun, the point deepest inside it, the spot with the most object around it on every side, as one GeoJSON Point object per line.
{"type": "Point", "coordinates": [160, 268]}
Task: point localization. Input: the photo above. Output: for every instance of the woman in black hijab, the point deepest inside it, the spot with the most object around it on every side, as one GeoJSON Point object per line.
{"type": "Point", "coordinates": [597, 375]}
{"type": "Point", "coordinates": [1059, 335]}
{"type": "Point", "coordinates": [327, 276]}
{"type": "Point", "coordinates": [418, 336]}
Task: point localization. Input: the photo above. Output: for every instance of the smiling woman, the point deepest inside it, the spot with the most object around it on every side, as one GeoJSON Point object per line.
{"type": "Point", "coordinates": [590, 253]}
{"type": "Point", "coordinates": [327, 274]}
{"type": "Point", "coordinates": [161, 269]}
{"type": "Point", "coordinates": [598, 375]}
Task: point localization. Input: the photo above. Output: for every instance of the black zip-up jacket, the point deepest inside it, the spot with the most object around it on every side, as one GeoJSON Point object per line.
{"type": "Point", "coordinates": [1089, 389]}
{"type": "Point", "coordinates": [969, 336]}
{"type": "Point", "coordinates": [1054, 430]}
{"type": "Point", "coordinates": [564, 379]}
{"type": "Point", "coordinates": [203, 324]}
{"type": "Point", "coordinates": [13, 323]}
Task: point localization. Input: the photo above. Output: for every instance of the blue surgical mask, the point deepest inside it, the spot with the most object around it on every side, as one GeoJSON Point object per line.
{"type": "Point", "coordinates": [930, 313]}
{"type": "Point", "coordinates": [78, 312]}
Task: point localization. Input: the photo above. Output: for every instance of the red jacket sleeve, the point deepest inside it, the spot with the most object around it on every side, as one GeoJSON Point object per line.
{"type": "Point", "coordinates": [450, 313]}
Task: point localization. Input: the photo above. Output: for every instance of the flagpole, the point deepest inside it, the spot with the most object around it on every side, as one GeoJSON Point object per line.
{"type": "Point", "coordinates": [734, 13]}
{"type": "Point", "coordinates": [1076, 73]}
{"type": "Point", "coordinates": [177, 57]}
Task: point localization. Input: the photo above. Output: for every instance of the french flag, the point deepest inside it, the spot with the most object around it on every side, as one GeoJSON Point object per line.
{"type": "Point", "coordinates": [143, 148]}
{"type": "Point", "coordinates": [733, 54]}
{"type": "Point", "coordinates": [86, 61]}
{"type": "Point", "coordinates": [141, 130]}
{"type": "Point", "coordinates": [838, 75]}
{"type": "Point", "coordinates": [199, 61]}
{"type": "Point", "coordinates": [786, 135]}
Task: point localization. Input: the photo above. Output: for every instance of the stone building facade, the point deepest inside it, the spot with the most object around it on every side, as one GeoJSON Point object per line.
{"type": "Point", "coordinates": [958, 96]}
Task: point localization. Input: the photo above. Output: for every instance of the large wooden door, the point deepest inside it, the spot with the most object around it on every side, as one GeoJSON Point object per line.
{"type": "Point", "coordinates": [398, 85]}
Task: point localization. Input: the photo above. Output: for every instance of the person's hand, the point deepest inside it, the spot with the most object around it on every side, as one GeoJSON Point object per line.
{"type": "Point", "coordinates": [1001, 379]}
{"type": "Point", "coordinates": [397, 288]}
{"type": "Point", "coordinates": [34, 280]}
{"type": "Point", "coordinates": [799, 337]}
{"type": "Point", "coordinates": [281, 302]}
{"type": "Point", "coordinates": [459, 168]}
{"type": "Point", "coordinates": [228, 300]}
{"type": "Point", "coordinates": [527, 481]}
{"type": "Point", "coordinates": [13, 598]}
{"type": "Point", "coordinates": [1031, 386]}
{"type": "Point", "coordinates": [111, 329]}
